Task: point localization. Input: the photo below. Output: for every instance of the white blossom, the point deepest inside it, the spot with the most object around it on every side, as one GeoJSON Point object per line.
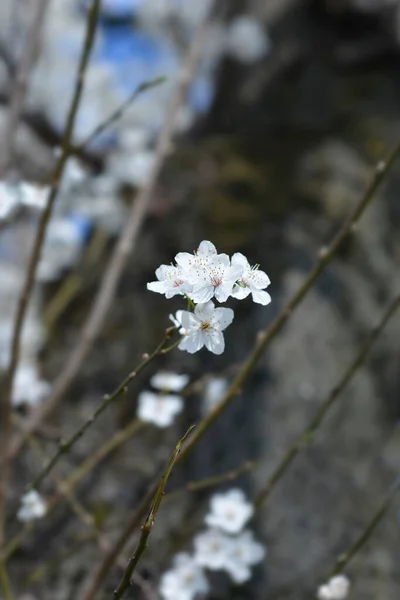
{"type": "Point", "coordinates": [177, 321]}
{"type": "Point", "coordinates": [252, 281]}
{"type": "Point", "coordinates": [8, 200]}
{"type": "Point", "coordinates": [28, 388]}
{"type": "Point", "coordinates": [244, 553]}
{"type": "Point", "coordinates": [230, 511]}
{"type": "Point", "coordinates": [169, 382]}
{"type": "Point", "coordinates": [184, 581]}
{"type": "Point", "coordinates": [32, 507]}
{"type": "Point", "coordinates": [33, 196]}
{"type": "Point", "coordinates": [212, 549]}
{"type": "Point", "coordinates": [159, 409]}
{"type": "Point", "coordinates": [171, 281]}
{"type": "Point", "coordinates": [337, 588]}
{"type": "Point", "coordinates": [214, 279]}
{"type": "Point", "coordinates": [214, 389]}
{"type": "Point", "coordinates": [202, 257]}
{"type": "Point", "coordinates": [204, 327]}
{"type": "Point", "coordinates": [246, 39]}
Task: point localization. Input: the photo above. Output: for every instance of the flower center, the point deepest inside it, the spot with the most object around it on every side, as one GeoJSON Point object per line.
{"type": "Point", "coordinates": [178, 282]}
{"type": "Point", "coordinates": [205, 326]}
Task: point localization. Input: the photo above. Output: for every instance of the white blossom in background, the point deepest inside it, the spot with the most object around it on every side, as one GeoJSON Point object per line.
{"type": "Point", "coordinates": [32, 507]}
{"type": "Point", "coordinates": [204, 327]}
{"type": "Point", "coordinates": [28, 388]}
{"type": "Point", "coordinates": [62, 248]}
{"type": "Point", "coordinates": [184, 581]}
{"type": "Point", "coordinates": [212, 549]}
{"type": "Point", "coordinates": [169, 382]}
{"type": "Point", "coordinates": [8, 200]}
{"type": "Point", "coordinates": [337, 588]}
{"type": "Point", "coordinates": [245, 552]}
{"type": "Point", "coordinates": [33, 196]}
{"type": "Point", "coordinates": [214, 390]}
{"type": "Point", "coordinates": [229, 511]}
{"type": "Point", "coordinates": [246, 39]}
{"type": "Point", "coordinates": [252, 281]}
{"type": "Point", "coordinates": [159, 409]}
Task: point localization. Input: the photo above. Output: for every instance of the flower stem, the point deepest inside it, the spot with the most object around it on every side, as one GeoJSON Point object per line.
{"type": "Point", "coordinates": [150, 520]}
{"type": "Point", "coordinates": [318, 417]}
{"type": "Point", "coordinates": [65, 446]}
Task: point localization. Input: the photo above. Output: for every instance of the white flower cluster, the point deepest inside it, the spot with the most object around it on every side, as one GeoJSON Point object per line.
{"type": "Point", "coordinates": [337, 588]}
{"type": "Point", "coordinates": [225, 546]}
{"type": "Point", "coordinates": [32, 507]}
{"type": "Point", "coordinates": [201, 277]}
{"type": "Point", "coordinates": [161, 408]}
{"type": "Point", "coordinates": [18, 195]}
{"type": "Point", "coordinates": [28, 389]}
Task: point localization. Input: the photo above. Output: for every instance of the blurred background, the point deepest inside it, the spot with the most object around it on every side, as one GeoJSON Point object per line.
{"type": "Point", "coordinates": [292, 104]}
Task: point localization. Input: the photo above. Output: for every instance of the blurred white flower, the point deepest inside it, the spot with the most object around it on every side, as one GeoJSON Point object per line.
{"type": "Point", "coordinates": [230, 511]}
{"type": "Point", "coordinates": [62, 248]}
{"type": "Point", "coordinates": [171, 281]}
{"type": "Point", "coordinates": [32, 507]}
{"type": "Point", "coordinates": [214, 389]}
{"type": "Point", "coordinates": [245, 552]}
{"type": "Point", "coordinates": [337, 588]}
{"type": "Point", "coordinates": [184, 581]}
{"type": "Point", "coordinates": [28, 388]}
{"type": "Point", "coordinates": [169, 382]}
{"type": "Point", "coordinates": [252, 281]}
{"type": "Point", "coordinates": [204, 327]}
{"type": "Point", "coordinates": [33, 196]}
{"type": "Point", "coordinates": [159, 409]}
{"type": "Point", "coordinates": [212, 549]}
{"type": "Point", "coordinates": [246, 39]}
{"type": "Point", "coordinates": [9, 201]}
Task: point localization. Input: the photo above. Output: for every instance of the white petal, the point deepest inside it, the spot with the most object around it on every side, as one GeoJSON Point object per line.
{"type": "Point", "coordinates": [222, 259]}
{"type": "Point", "coordinates": [193, 342]}
{"type": "Point", "coordinates": [184, 260]}
{"type": "Point", "coordinates": [215, 342]}
{"type": "Point", "coordinates": [239, 572]}
{"type": "Point", "coordinates": [204, 311]}
{"type": "Point", "coordinates": [239, 259]}
{"type": "Point", "coordinates": [206, 249]}
{"type": "Point", "coordinates": [261, 297]}
{"type": "Point", "coordinates": [188, 320]}
{"type": "Point", "coordinates": [157, 286]}
{"type": "Point", "coordinates": [240, 292]}
{"type": "Point", "coordinates": [259, 279]}
{"type": "Point", "coordinates": [224, 317]}
{"type": "Point", "coordinates": [202, 292]}
{"type": "Point", "coordinates": [223, 291]}
{"type": "Point", "coordinates": [166, 381]}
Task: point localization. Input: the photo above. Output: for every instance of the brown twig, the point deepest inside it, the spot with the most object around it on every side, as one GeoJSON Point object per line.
{"type": "Point", "coordinates": [5, 421]}
{"type": "Point", "coordinates": [122, 251]}
{"type": "Point", "coordinates": [264, 338]}
{"type": "Point", "coordinates": [150, 520]}
{"type": "Point", "coordinates": [316, 420]}
{"type": "Point", "coordinates": [20, 83]}
{"type": "Point", "coordinates": [118, 113]}
{"type": "Point", "coordinates": [65, 446]}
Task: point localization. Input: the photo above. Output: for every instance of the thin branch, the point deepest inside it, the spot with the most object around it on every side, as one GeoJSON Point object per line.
{"type": "Point", "coordinates": [20, 84]}
{"type": "Point", "coordinates": [5, 583]}
{"type": "Point", "coordinates": [265, 337]}
{"type": "Point", "coordinates": [316, 420]}
{"type": "Point", "coordinates": [150, 520]}
{"type": "Point", "coordinates": [119, 112]}
{"type": "Point", "coordinates": [263, 340]}
{"type": "Point", "coordinates": [65, 446]}
{"type": "Point", "coordinates": [123, 250]}
{"type": "Point", "coordinates": [23, 303]}
{"type": "Point", "coordinates": [343, 560]}
{"type": "Point", "coordinates": [74, 478]}
{"type": "Point", "coordinates": [211, 482]}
